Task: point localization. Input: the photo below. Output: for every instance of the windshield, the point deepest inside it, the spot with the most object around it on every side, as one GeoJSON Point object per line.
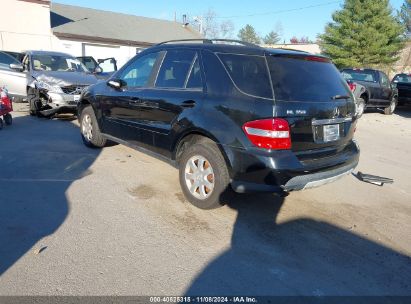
{"type": "Point", "coordinates": [402, 78]}
{"type": "Point", "coordinates": [57, 63]}
{"type": "Point", "coordinates": [359, 75]}
{"type": "Point", "coordinates": [306, 79]}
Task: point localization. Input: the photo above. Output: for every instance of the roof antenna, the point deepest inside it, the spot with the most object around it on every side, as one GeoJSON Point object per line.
{"type": "Point", "coordinates": [185, 23]}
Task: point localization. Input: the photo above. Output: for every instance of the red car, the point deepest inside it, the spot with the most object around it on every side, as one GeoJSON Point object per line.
{"type": "Point", "coordinates": [6, 107]}
{"type": "Point", "coordinates": [358, 92]}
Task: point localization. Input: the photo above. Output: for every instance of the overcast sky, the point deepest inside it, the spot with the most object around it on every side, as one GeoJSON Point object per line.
{"type": "Point", "coordinates": [297, 17]}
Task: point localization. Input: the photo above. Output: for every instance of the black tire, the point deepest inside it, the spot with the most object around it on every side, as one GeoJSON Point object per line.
{"type": "Point", "coordinates": [32, 98]}
{"type": "Point", "coordinates": [94, 139]}
{"type": "Point", "coordinates": [391, 108]}
{"type": "Point", "coordinates": [209, 151]}
{"type": "Point", "coordinates": [1, 123]}
{"type": "Point", "coordinates": [8, 119]}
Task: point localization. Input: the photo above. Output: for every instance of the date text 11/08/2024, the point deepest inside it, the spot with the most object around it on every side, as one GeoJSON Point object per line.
{"type": "Point", "coordinates": [188, 299]}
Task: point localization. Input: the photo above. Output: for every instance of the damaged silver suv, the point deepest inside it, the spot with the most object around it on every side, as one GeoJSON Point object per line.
{"type": "Point", "coordinates": [52, 81]}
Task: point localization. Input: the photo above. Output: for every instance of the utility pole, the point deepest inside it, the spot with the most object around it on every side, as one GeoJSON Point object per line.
{"type": "Point", "coordinates": [199, 20]}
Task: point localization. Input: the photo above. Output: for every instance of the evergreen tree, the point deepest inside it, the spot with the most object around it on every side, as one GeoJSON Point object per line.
{"type": "Point", "coordinates": [363, 33]}
{"type": "Point", "coordinates": [272, 38]}
{"type": "Point", "coordinates": [249, 34]}
{"type": "Point", "coordinates": [405, 16]}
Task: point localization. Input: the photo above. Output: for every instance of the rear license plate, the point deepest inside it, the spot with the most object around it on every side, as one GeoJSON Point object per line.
{"type": "Point", "coordinates": [331, 133]}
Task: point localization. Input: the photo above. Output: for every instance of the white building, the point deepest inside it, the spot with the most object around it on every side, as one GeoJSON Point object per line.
{"type": "Point", "coordinates": [79, 31]}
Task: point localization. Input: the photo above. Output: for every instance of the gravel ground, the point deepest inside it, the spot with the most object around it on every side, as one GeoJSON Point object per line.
{"type": "Point", "coordinates": [79, 221]}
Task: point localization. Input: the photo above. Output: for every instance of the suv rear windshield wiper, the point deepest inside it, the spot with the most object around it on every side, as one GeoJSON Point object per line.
{"type": "Point", "coordinates": [340, 97]}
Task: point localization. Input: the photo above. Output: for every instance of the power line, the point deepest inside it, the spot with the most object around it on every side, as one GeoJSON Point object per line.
{"type": "Point", "coordinates": [282, 11]}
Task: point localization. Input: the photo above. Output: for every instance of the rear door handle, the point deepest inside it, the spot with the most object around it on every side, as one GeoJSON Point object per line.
{"type": "Point", "coordinates": [188, 104]}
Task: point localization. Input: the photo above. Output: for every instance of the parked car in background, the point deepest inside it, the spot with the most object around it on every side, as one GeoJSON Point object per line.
{"type": "Point", "coordinates": [379, 91]}
{"type": "Point", "coordinates": [52, 81]}
{"type": "Point", "coordinates": [209, 108]}
{"type": "Point", "coordinates": [12, 78]}
{"type": "Point", "coordinates": [358, 92]}
{"type": "Point", "coordinates": [103, 68]}
{"type": "Point", "coordinates": [403, 84]}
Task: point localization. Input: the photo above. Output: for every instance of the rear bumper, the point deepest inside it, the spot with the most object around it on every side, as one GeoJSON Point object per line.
{"type": "Point", "coordinates": [284, 171]}
{"type": "Point", "coordinates": [317, 179]}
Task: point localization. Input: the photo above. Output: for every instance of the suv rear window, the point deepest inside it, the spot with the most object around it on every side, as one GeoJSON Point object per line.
{"type": "Point", "coordinates": [404, 78]}
{"type": "Point", "coordinates": [305, 78]}
{"type": "Point", "coordinates": [249, 74]}
{"type": "Point", "coordinates": [359, 75]}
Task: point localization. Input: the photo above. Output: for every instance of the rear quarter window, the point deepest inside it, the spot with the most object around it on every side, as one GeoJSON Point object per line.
{"type": "Point", "coordinates": [249, 74]}
{"type": "Point", "coordinates": [305, 79]}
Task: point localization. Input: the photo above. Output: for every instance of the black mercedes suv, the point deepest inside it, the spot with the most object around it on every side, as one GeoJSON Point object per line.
{"type": "Point", "coordinates": [229, 115]}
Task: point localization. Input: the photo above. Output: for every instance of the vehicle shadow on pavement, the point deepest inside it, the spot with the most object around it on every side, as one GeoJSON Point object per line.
{"type": "Point", "coordinates": [404, 111]}
{"type": "Point", "coordinates": [298, 257]}
{"type": "Point", "coordinates": [39, 160]}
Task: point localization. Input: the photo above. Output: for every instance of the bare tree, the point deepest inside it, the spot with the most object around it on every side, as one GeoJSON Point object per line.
{"type": "Point", "coordinates": [212, 28]}
{"type": "Point", "coordinates": [226, 29]}
{"type": "Point", "coordinates": [210, 24]}
{"type": "Point", "coordinates": [279, 28]}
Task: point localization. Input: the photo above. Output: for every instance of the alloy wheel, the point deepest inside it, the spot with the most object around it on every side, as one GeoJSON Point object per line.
{"type": "Point", "coordinates": [199, 177]}
{"type": "Point", "coordinates": [87, 127]}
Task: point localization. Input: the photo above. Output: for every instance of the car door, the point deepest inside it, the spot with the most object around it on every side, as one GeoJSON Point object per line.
{"type": "Point", "coordinates": [386, 89]}
{"type": "Point", "coordinates": [121, 108]}
{"type": "Point", "coordinates": [90, 63]}
{"type": "Point", "coordinates": [15, 81]}
{"type": "Point", "coordinates": [108, 65]}
{"type": "Point", "coordinates": [178, 88]}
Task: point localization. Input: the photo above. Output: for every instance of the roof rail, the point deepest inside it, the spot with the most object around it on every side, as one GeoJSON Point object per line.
{"type": "Point", "coordinates": [211, 41]}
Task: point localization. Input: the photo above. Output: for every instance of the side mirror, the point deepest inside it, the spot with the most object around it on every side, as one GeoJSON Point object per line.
{"type": "Point", "coordinates": [98, 70]}
{"type": "Point", "coordinates": [116, 83]}
{"type": "Point", "coordinates": [17, 67]}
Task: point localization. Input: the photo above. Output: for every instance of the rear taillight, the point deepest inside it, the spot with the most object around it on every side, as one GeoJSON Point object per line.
{"type": "Point", "coordinates": [352, 86]}
{"type": "Point", "coordinates": [271, 134]}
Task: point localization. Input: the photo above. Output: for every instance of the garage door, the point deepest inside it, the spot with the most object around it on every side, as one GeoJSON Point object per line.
{"type": "Point", "coordinates": [102, 51]}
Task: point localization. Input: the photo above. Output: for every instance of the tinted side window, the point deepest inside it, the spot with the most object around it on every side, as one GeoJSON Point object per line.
{"type": "Point", "coordinates": [249, 73]}
{"type": "Point", "coordinates": [195, 80]}
{"type": "Point", "coordinates": [175, 68]}
{"type": "Point", "coordinates": [6, 60]}
{"type": "Point", "coordinates": [138, 72]}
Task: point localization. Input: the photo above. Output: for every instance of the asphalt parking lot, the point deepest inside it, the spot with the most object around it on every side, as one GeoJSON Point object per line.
{"type": "Point", "coordinates": [79, 221]}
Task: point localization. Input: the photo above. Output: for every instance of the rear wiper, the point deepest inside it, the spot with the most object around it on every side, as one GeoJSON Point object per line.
{"type": "Point", "coordinates": [340, 97]}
